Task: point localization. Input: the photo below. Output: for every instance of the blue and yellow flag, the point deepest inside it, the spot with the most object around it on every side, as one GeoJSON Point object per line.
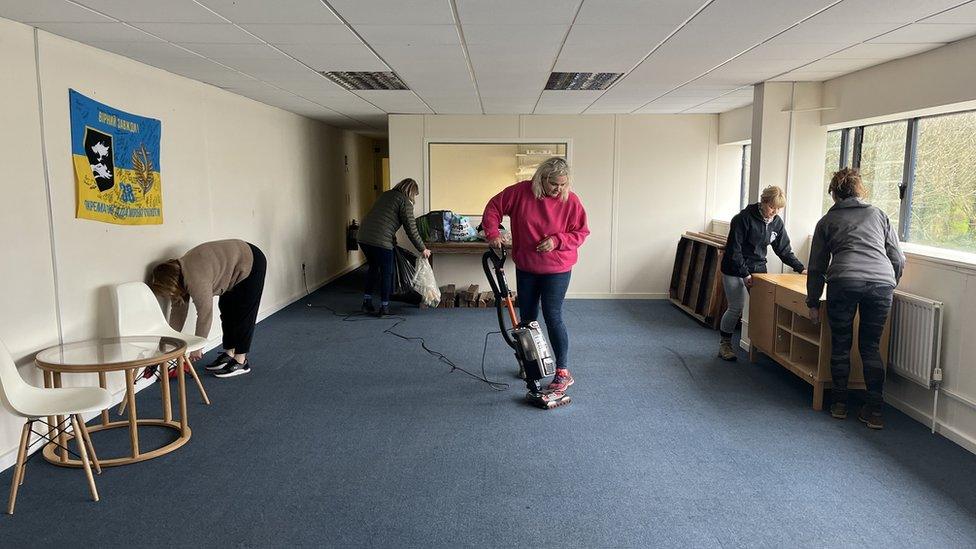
{"type": "Point", "coordinates": [116, 158]}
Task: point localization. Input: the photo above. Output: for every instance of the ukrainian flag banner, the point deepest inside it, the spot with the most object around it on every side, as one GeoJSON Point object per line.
{"type": "Point", "coordinates": [116, 159]}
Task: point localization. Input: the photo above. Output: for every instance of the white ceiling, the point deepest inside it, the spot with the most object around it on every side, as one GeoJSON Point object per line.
{"type": "Point", "coordinates": [494, 56]}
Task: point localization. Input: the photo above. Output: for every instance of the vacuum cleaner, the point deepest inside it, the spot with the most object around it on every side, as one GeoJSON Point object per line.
{"type": "Point", "coordinates": [532, 351]}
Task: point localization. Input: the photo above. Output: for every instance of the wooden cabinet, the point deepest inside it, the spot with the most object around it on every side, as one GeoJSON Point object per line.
{"type": "Point", "coordinates": [780, 328]}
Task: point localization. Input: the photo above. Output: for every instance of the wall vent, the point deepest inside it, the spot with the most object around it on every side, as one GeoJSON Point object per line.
{"type": "Point", "coordinates": [582, 80]}
{"type": "Point", "coordinates": [366, 80]}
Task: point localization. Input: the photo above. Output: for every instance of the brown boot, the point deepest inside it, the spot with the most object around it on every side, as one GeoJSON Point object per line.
{"type": "Point", "coordinates": [725, 350]}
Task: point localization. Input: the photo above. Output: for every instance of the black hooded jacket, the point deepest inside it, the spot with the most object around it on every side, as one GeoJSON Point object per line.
{"type": "Point", "coordinates": [749, 236]}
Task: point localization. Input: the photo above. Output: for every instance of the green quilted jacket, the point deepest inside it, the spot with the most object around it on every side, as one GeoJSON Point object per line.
{"type": "Point", "coordinates": [391, 210]}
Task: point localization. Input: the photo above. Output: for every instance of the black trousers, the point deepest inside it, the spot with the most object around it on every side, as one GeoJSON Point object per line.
{"type": "Point", "coordinates": [873, 300]}
{"type": "Point", "coordinates": [239, 306]}
{"type": "Point", "coordinates": [380, 274]}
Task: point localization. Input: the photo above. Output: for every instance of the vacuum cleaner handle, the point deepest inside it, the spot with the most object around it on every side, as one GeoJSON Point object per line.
{"type": "Point", "coordinates": [496, 279]}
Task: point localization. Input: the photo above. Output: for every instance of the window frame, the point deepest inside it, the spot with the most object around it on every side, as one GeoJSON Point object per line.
{"type": "Point", "coordinates": [905, 190]}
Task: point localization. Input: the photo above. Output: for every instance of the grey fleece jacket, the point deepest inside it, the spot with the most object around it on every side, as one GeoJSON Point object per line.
{"type": "Point", "coordinates": [391, 210]}
{"type": "Point", "coordinates": [853, 241]}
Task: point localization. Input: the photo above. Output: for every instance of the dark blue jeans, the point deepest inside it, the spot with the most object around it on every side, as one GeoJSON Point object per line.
{"type": "Point", "coordinates": [551, 290]}
{"type": "Point", "coordinates": [845, 298]}
{"type": "Point", "coordinates": [380, 262]}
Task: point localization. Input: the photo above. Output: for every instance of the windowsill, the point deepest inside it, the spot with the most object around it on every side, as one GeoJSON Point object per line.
{"type": "Point", "coordinates": [952, 258]}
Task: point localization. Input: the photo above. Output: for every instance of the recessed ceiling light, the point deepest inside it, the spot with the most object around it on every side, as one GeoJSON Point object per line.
{"type": "Point", "coordinates": [366, 80]}
{"type": "Point", "coordinates": [582, 80]}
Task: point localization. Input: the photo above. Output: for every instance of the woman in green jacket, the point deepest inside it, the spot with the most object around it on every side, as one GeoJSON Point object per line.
{"type": "Point", "coordinates": [377, 238]}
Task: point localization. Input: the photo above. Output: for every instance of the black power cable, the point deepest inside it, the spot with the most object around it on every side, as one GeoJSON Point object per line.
{"type": "Point", "coordinates": [360, 316]}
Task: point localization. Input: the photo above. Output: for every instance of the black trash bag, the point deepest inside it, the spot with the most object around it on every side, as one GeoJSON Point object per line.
{"type": "Point", "coordinates": [403, 271]}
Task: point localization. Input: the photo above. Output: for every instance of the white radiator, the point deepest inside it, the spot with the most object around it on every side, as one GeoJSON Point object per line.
{"type": "Point", "coordinates": [915, 344]}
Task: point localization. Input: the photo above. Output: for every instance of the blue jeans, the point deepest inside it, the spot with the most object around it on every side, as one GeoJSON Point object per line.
{"type": "Point", "coordinates": [551, 290]}
{"type": "Point", "coordinates": [380, 262]}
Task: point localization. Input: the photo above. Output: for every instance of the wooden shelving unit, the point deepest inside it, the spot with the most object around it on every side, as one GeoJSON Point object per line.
{"type": "Point", "coordinates": [779, 328]}
{"type": "Point", "coordinates": [696, 282]}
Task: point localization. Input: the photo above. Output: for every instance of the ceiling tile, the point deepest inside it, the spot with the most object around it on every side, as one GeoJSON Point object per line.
{"type": "Point", "coordinates": [152, 52]}
{"type": "Point", "coordinates": [629, 12]}
{"type": "Point", "coordinates": [886, 11]}
{"type": "Point", "coordinates": [95, 32]}
{"type": "Point", "coordinates": [832, 33]}
{"type": "Point", "coordinates": [872, 50]}
{"type": "Point", "coordinates": [277, 11]}
{"type": "Point", "coordinates": [808, 76]}
{"type": "Point", "coordinates": [48, 11]}
{"type": "Point", "coordinates": [338, 57]}
{"type": "Point", "coordinates": [924, 33]}
{"type": "Point", "coordinates": [395, 101]}
{"type": "Point", "coordinates": [608, 48]}
{"type": "Point", "coordinates": [965, 14]}
{"type": "Point", "coordinates": [394, 12]}
{"type": "Point", "coordinates": [236, 52]}
{"type": "Point", "coordinates": [199, 33]}
{"type": "Point", "coordinates": [835, 64]}
{"type": "Point", "coordinates": [303, 34]}
{"type": "Point", "coordinates": [409, 35]}
{"type": "Point", "coordinates": [155, 11]}
{"type": "Point", "coordinates": [515, 36]}
{"type": "Point", "coordinates": [517, 12]}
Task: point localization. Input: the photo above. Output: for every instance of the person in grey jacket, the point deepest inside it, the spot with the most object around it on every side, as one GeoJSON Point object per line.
{"type": "Point", "coordinates": [855, 251]}
{"type": "Point", "coordinates": [377, 238]}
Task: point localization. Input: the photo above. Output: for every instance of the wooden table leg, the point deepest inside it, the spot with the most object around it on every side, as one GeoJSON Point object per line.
{"type": "Point", "coordinates": [753, 354]}
{"type": "Point", "coordinates": [818, 395]}
{"type": "Point", "coordinates": [181, 377]}
{"type": "Point", "coordinates": [62, 436]}
{"type": "Point", "coordinates": [103, 383]}
{"type": "Point", "coordinates": [164, 384]}
{"type": "Point", "coordinates": [51, 420]}
{"type": "Point", "coordinates": [203, 392]}
{"type": "Point", "coordinates": [130, 395]}
{"type": "Point", "coordinates": [84, 457]}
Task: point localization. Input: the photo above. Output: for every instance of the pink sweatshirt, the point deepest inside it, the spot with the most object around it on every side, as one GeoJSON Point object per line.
{"type": "Point", "coordinates": [533, 219]}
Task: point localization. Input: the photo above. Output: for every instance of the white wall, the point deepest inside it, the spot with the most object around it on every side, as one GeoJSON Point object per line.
{"type": "Point", "coordinates": [938, 80]}
{"type": "Point", "coordinates": [643, 180]}
{"type": "Point", "coordinates": [735, 126]}
{"type": "Point", "coordinates": [231, 167]}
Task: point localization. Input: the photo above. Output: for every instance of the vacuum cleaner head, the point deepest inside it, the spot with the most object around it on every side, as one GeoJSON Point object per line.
{"type": "Point", "coordinates": [547, 400]}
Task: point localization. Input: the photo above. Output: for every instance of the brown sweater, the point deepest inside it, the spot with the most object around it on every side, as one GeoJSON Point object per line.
{"type": "Point", "coordinates": [210, 269]}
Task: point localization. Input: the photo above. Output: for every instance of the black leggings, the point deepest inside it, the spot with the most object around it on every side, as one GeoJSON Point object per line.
{"type": "Point", "coordinates": [845, 298]}
{"type": "Point", "coordinates": [239, 306]}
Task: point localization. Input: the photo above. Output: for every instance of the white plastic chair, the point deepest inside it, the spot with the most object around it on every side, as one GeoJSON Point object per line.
{"type": "Point", "coordinates": [36, 404]}
{"type": "Point", "coordinates": [138, 313]}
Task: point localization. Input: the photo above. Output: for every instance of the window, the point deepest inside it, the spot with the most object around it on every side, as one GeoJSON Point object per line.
{"type": "Point", "coordinates": [921, 172]}
{"type": "Point", "coordinates": [882, 163]}
{"type": "Point", "coordinates": [943, 197]}
{"type": "Point", "coordinates": [744, 182]}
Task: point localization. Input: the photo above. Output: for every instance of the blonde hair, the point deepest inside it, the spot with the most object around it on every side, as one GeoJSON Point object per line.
{"type": "Point", "coordinates": [550, 169]}
{"type": "Point", "coordinates": [167, 280]}
{"type": "Point", "coordinates": [846, 183]}
{"type": "Point", "coordinates": [773, 196]}
{"type": "Point", "coordinates": [408, 187]}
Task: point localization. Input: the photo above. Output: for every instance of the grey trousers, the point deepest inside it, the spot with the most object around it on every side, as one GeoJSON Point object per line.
{"type": "Point", "coordinates": [737, 294]}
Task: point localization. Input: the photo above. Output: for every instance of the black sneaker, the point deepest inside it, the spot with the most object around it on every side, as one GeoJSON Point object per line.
{"type": "Point", "coordinates": [838, 410]}
{"type": "Point", "coordinates": [234, 369]}
{"type": "Point", "coordinates": [871, 417]}
{"type": "Point", "coordinates": [368, 307]}
{"type": "Point", "coordinates": [384, 311]}
{"type": "Point", "coordinates": [219, 362]}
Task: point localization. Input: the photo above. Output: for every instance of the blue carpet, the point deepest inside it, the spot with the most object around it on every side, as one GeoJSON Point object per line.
{"type": "Point", "coordinates": [343, 436]}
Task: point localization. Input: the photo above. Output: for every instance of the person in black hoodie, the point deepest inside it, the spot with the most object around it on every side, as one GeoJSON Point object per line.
{"type": "Point", "coordinates": [752, 230]}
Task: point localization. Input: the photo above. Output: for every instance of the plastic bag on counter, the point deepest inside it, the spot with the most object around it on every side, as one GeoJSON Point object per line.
{"type": "Point", "coordinates": [425, 284]}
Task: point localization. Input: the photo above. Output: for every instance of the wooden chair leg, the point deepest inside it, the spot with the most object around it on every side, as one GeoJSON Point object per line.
{"type": "Point", "coordinates": [88, 444]}
{"type": "Point", "coordinates": [203, 392]}
{"type": "Point", "coordinates": [17, 477]}
{"type": "Point", "coordinates": [84, 458]}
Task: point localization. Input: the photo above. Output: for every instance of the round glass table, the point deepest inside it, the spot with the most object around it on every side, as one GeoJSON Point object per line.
{"type": "Point", "coordinates": [125, 354]}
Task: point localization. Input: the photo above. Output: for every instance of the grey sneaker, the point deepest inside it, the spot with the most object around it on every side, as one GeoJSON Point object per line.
{"type": "Point", "coordinates": [871, 417]}
{"type": "Point", "coordinates": [726, 352]}
{"type": "Point", "coordinates": [838, 410]}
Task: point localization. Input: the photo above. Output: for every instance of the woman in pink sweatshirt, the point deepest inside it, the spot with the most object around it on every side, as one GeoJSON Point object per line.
{"type": "Point", "coordinates": [548, 226]}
